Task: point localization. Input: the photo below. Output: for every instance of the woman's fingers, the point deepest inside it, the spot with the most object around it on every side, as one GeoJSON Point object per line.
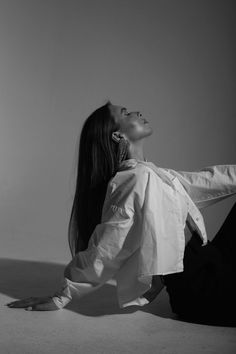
{"type": "Point", "coordinates": [21, 303]}
{"type": "Point", "coordinates": [27, 302]}
{"type": "Point", "coordinates": [35, 304]}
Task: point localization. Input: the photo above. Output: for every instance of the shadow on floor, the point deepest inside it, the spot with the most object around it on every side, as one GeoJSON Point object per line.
{"type": "Point", "coordinates": [24, 278]}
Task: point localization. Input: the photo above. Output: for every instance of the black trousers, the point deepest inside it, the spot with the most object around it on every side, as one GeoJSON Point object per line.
{"type": "Point", "coordinates": [205, 291]}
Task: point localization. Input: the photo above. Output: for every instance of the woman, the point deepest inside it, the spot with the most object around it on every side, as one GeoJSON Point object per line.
{"type": "Point", "coordinates": [130, 221]}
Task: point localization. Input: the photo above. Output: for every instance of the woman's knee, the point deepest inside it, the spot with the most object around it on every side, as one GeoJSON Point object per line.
{"type": "Point", "coordinates": [232, 214]}
{"type": "Point", "coordinates": [234, 207]}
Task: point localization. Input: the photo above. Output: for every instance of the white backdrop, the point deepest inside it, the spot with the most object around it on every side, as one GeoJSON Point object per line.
{"type": "Point", "coordinates": [61, 59]}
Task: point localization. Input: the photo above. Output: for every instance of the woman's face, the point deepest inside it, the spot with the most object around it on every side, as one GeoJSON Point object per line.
{"type": "Point", "coordinates": [131, 124]}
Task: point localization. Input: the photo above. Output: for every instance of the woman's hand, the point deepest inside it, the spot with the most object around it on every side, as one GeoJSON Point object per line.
{"type": "Point", "coordinates": [35, 304]}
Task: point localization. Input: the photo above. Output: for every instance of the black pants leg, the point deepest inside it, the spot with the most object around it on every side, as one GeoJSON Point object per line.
{"type": "Point", "coordinates": [225, 239]}
{"type": "Point", "coordinates": [204, 291]}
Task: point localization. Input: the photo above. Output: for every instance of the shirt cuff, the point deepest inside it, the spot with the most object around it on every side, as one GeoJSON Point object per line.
{"type": "Point", "coordinates": [63, 296]}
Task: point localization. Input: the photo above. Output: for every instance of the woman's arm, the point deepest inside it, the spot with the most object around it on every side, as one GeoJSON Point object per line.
{"type": "Point", "coordinates": [109, 244]}
{"type": "Point", "coordinates": [209, 185]}
{"type": "Point", "coordinates": [108, 247]}
{"type": "Point", "coordinates": [91, 268]}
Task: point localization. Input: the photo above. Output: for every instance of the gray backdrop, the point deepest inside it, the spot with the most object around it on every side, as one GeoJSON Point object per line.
{"type": "Point", "coordinates": [59, 60]}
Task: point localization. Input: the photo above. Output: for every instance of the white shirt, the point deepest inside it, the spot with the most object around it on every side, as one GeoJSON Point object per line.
{"type": "Point", "coordinates": [142, 229]}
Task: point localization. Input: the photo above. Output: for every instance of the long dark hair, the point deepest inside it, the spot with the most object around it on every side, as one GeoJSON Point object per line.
{"type": "Point", "coordinates": [97, 164]}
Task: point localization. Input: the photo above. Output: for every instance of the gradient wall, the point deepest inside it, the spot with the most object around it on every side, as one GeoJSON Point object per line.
{"type": "Point", "coordinates": [60, 59]}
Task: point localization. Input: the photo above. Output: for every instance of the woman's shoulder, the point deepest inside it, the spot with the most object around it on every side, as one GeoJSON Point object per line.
{"type": "Point", "coordinates": [142, 173]}
{"type": "Point", "coordinates": [138, 174]}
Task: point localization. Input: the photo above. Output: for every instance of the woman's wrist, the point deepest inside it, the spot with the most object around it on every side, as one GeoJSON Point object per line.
{"type": "Point", "coordinates": [62, 297]}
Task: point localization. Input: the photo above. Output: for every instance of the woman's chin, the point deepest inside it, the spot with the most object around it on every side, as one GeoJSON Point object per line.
{"type": "Point", "coordinates": [149, 130]}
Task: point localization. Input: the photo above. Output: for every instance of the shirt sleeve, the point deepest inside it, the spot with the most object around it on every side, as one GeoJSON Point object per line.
{"type": "Point", "coordinates": [109, 244]}
{"type": "Point", "coordinates": [209, 185]}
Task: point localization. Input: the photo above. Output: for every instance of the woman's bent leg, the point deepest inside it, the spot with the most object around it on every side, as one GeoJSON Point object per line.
{"type": "Point", "coordinates": [205, 290]}
{"type": "Point", "coordinates": [225, 239]}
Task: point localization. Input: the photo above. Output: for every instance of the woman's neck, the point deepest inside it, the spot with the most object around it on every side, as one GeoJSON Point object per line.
{"type": "Point", "coordinates": [136, 152]}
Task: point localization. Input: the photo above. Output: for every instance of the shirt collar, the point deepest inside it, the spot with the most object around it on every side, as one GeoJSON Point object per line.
{"type": "Point", "coordinates": [161, 172]}
{"type": "Point", "coordinates": [129, 163]}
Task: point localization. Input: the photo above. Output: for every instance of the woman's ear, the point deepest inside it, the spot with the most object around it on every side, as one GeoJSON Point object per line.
{"type": "Point", "coordinates": [116, 136]}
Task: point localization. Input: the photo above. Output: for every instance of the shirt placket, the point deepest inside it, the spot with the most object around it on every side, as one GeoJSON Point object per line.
{"type": "Point", "coordinates": [194, 219]}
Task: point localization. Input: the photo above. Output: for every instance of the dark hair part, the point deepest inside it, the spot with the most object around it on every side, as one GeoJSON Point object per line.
{"type": "Point", "coordinates": [97, 164]}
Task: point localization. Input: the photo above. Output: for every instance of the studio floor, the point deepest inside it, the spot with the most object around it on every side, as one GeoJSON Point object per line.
{"type": "Point", "coordinates": [95, 324]}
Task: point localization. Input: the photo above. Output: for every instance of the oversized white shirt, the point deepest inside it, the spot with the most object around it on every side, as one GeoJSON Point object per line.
{"type": "Point", "coordinates": [143, 228]}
